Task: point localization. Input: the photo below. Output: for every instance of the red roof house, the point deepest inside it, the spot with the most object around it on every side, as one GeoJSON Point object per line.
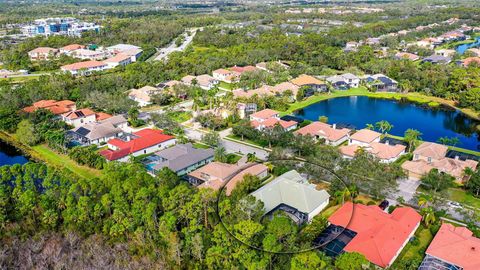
{"type": "Point", "coordinates": [142, 142]}
{"type": "Point", "coordinates": [453, 246]}
{"type": "Point", "coordinates": [380, 236]}
{"type": "Point", "coordinates": [56, 107]}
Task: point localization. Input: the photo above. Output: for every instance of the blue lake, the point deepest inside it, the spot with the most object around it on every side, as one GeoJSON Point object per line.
{"type": "Point", "coordinates": [9, 155]}
{"type": "Point", "coordinates": [358, 111]}
{"type": "Point", "coordinates": [462, 48]}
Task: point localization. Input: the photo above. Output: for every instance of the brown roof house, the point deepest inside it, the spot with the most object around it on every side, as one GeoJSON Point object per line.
{"type": "Point", "coordinates": [430, 156]}
{"type": "Point", "coordinates": [330, 133]}
{"type": "Point", "coordinates": [312, 84]}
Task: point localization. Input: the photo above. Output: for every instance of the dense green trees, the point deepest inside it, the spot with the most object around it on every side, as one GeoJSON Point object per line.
{"type": "Point", "coordinates": [87, 155]}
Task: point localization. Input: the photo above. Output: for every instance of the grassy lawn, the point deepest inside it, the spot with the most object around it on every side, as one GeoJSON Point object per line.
{"type": "Point", "coordinates": [44, 153]}
{"type": "Point", "coordinates": [244, 140]}
{"type": "Point", "coordinates": [362, 91]}
{"type": "Point", "coordinates": [225, 85]}
{"type": "Point", "coordinates": [20, 79]}
{"type": "Point", "coordinates": [199, 145]}
{"type": "Point", "coordinates": [329, 211]}
{"type": "Point", "coordinates": [180, 117]}
{"type": "Point", "coordinates": [411, 251]}
{"type": "Point", "coordinates": [463, 197]}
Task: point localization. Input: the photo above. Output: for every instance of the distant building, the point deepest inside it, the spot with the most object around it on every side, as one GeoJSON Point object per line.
{"type": "Point", "coordinates": [86, 54]}
{"type": "Point", "coordinates": [79, 117]}
{"type": "Point", "coordinates": [67, 50]}
{"type": "Point", "coordinates": [292, 194]}
{"type": "Point", "coordinates": [42, 53]}
{"type": "Point", "coordinates": [469, 61]}
{"type": "Point", "coordinates": [344, 81]}
{"type": "Point", "coordinates": [437, 59]}
{"type": "Point", "coordinates": [142, 142]}
{"type": "Point", "coordinates": [118, 60]}
{"type": "Point", "coordinates": [59, 26]}
{"type": "Point", "coordinates": [452, 248]}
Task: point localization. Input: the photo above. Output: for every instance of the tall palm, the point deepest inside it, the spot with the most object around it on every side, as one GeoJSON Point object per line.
{"type": "Point", "coordinates": [384, 126]}
{"type": "Point", "coordinates": [428, 215]}
{"type": "Point", "coordinates": [424, 200]}
{"type": "Point", "coordinates": [370, 126]}
{"type": "Point", "coordinates": [412, 136]}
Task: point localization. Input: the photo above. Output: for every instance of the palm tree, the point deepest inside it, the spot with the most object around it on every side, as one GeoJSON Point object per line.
{"type": "Point", "coordinates": [384, 126]}
{"type": "Point", "coordinates": [220, 154]}
{"type": "Point", "coordinates": [411, 136]}
{"type": "Point", "coordinates": [370, 126]}
{"type": "Point", "coordinates": [428, 216]}
{"type": "Point", "coordinates": [424, 200]}
{"type": "Point", "coordinates": [343, 194]}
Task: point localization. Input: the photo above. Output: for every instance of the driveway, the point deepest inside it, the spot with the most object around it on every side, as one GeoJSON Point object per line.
{"type": "Point", "coordinates": [240, 148]}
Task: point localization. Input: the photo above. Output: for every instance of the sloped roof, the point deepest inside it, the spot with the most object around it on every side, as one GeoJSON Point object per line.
{"type": "Point", "coordinates": [182, 156]}
{"type": "Point", "coordinates": [117, 58]}
{"type": "Point", "coordinates": [264, 114]}
{"type": "Point", "coordinates": [72, 47]}
{"type": "Point", "coordinates": [456, 245]}
{"type": "Point", "coordinates": [94, 131]}
{"type": "Point", "coordinates": [43, 50]}
{"type": "Point", "coordinates": [56, 107]}
{"type": "Point", "coordinates": [380, 235]}
{"type": "Point", "coordinates": [386, 151]}
{"type": "Point", "coordinates": [323, 130]}
{"type": "Point", "coordinates": [293, 190]}
{"type": "Point", "coordinates": [78, 113]}
{"type": "Point", "coordinates": [85, 64]}
{"type": "Point", "coordinates": [306, 80]}
{"type": "Point", "coordinates": [365, 135]}
{"type": "Point", "coordinates": [430, 149]}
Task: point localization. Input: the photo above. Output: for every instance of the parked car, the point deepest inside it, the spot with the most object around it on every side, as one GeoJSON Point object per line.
{"type": "Point", "coordinates": [384, 204]}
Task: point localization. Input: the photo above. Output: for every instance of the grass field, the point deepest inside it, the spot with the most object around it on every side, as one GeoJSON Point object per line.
{"type": "Point", "coordinates": [225, 85]}
{"type": "Point", "coordinates": [463, 197]}
{"type": "Point", "coordinates": [60, 161]}
{"type": "Point", "coordinates": [180, 117]}
{"type": "Point", "coordinates": [199, 145]}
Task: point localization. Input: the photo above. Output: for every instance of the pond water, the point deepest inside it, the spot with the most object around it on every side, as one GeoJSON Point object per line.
{"type": "Point", "coordinates": [462, 48]}
{"type": "Point", "coordinates": [358, 111]}
{"type": "Point", "coordinates": [9, 155]}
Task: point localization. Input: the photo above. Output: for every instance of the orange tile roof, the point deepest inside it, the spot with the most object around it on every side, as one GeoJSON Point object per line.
{"type": "Point", "coordinates": [470, 60]}
{"type": "Point", "coordinates": [323, 130]}
{"type": "Point", "coordinates": [222, 71]}
{"type": "Point", "coordinates": [117, 58]}
{"type": "Point", "coordinates": [72, 47]}
{"type": "Point", "coordinates": [56, 107]}
{"type": "Point", "coordinates": [85, 64]}
{"type": "Point", "coordinates": [306, 80]}
{"type": "Point", "coordinates": [380, 236]}
{"type": "Point", "coordinates": [406, 55]}
{"type": "Point", "coordinates": [265, 90]}
{"type": "Point", "coordinates": [78, 113]}
{"type": "Point", "coordinates": [456, 245]}
{"type": "Point", "coordinates": [451, 166]}
{"type": "Point", "coordinates": [99, 116]}
{"type": "Point", "coordinates": [386, 151]}
{"type": "Point", "coordinates": [264, 114]}
{"type": "Point", "coordinates": [432, 150]}
{"type": "Point", "coordinates": [349, 150]}
{"type": "Point", "coordinates": [365, 135]}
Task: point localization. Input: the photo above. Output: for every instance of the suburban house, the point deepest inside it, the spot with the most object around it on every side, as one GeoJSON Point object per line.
{"type": "Point", "coordinates": [84, 68]}
{"type": "Point", "coordinates": [181, 159]}
{"type": "Point", "coordinates": [446, 52]}
{"type": "Point", "coordinates": [42, 53]}
{"type": "Point", "coordinates": [344, 81]}
{"type": "Point", "coordinates": [407, 56]}
{"type": "Point", "coordinates": [79, 117]}
{"type": "Point", "coordinates": [267, 119]}
{"type": "Point", "coordinates": [143, 95]}
{"type": "Point", "coordinates": [369, 141]}
{"type": "Point", "coordinates": [330, 133]}
{"type": "Point", "coordinates": [370, 231]}
{"type": "Point", "coordinates": [292, 194]}
{"type": "Point", "coordinates": [437, 59]}
{"type": "Point", "coordinates": [133, 53]}
{"type": "Point", "coordinates": [188, 80]}
{"type": "Point", "coordinates": [267, 90]}
{"type": "Point", "coordinates": [474, 51]}
{"type": "Point", "coordinates": [216, 174]}
{"type": "Point", "coordinates": [223, 75]}
{"type": "Point", "coordinates": [312, 84]}
{"type": "Point", "coordinates": [281, 88]}
{"type": "Point", "coordinates": [86, 54]}
{"type": "Point", "coordinates": [240, 70]}
{"type": "Point", "coordinates": [118, 60]}
{"type": "Point", "coordinates": [430, 156]}
{"type": "Point", "coordinates": [67, 50]}
{"type": "Point", "coordinates": [98, 132]}
{"type": "Point", "coordinates": [469, 61]}
{"type": "Point", "coordinates": [381, 83]}
{"type": "Point", "coordinates": [120, 48]}
{"type": "Point", "coordinates": [452, 248]}
{"type": "Point", "coordinates": [56, 107]}
{"type": "Point", "coordinates": [142, 142]}
{"type": "Point", "coordinates": [206, 82]}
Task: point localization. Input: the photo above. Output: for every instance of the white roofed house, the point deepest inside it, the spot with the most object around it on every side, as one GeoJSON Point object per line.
{"type": "Point", "coordinates": [293, 195]}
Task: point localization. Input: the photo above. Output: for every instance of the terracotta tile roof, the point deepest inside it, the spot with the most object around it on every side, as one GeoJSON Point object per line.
{"type": "Point", "coordinates": [78, 113]}
{"type": "Point", "coordinates": [451, 166]}
{"type": "Point", "coordinates": [456, 245]}
{"type": "Point", "coordinates": [406, 55]}
{"type": "Point", "coordinates": [470, 60]}
{"type": "Point", "coordinates": [222, 71]}
{"type": "Point", "coordinates": [43, 50]}
{"type": "Point", "coordinates": [386, 151]}
{"type": "Point", "coordinates": [264, 114]}
{"type": "Point", "coordinates": [324, 131]}
{"type": "Point", "coordinates": [85, 64]}
{"type": "Point", "coordinates": [241, 70]}
{"type": "Point", "coordinates": [117, 58]}
{"type": "Point", "coordinates": [72, 47]}
{"type": "Point", "coordinates": [146, 138]}
{"type": "Point", "coordinates": [432, 150]}
{"type": "Point", "coordinates": [349, 150]}
{"type": "Point", "coordinates": [99, 116]}
{"type": "Point", "coordinates": [380, 236]}
{"type": "Point", "coordinates": [56, 107]}
{"type": "Point", "coordinates": [365, 135]}
{"type": "Point", "coordinates": [265, 90]}
{"type": "Point", "coordinates": [282, 87]}
{"type": "Point", "coordinates": [306, 80]}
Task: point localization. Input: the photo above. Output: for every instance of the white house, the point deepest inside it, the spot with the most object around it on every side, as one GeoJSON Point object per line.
{"type": "Point", "coordinates": [79, 117]}
{"type": "Point", "coordinates": [85, 68]}
{"type": "Point", "coordinates": [118, 60]}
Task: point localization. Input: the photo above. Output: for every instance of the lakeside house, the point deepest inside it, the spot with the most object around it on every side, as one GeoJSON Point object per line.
{"type": "Point", "coordinates": [380, 83]}
{"type": "Point", "coordinates": [181, 159]}
{"type": "Point", "coordinates": [55, 107]}
{"type": "Point", "coordinates": [330, 133]}
{"type": "Point", "coordinates": [268, 119]}
{"type": "Point", "coordinates": [85, 68]}
{"type": "Point", "coordinates": [145, 141]}
{"type": "Point", "coordinates": [42, 53]}
{"type": "Point", "coordinates": [369, 141]}
{"type": "Point", "coordinates": [98, 132]}
{"type": "Point", "coordinates": [215, 175]}
{"type": "Point", "coordinates": [344, 81]}
{"type": "Point", "coordinates": [143, 95]}
{"type": "Point", "coordinates": [452, 248]}
{"type": "Point", "coordinates": [370, 231]}
{"type": "Point", "coordinates": [437, 59]}
{"type": "Point", "coordinates": [428, 156]}
{"type": "Point", "coordinates": [293, 195]}
{"type": "Point", "coordinates": [311, 84]}
{"type": "Point", "coordinates": [267, 90]}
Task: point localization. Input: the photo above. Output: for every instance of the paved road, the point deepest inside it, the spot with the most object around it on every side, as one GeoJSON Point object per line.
{"type": "Point", "coordinates": [165, 52]}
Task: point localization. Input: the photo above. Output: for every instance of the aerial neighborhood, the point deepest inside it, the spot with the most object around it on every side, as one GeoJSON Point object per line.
{"type": "Point", "coordinates": [241, 135]}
